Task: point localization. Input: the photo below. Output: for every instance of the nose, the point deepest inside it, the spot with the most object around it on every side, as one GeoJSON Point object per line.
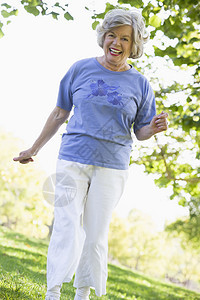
{"type": "Point", "coordinates": [116, 41]}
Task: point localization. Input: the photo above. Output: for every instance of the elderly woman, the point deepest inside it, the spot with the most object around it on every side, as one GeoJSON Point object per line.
{"type": "Point", "coordinates": [109, 97]}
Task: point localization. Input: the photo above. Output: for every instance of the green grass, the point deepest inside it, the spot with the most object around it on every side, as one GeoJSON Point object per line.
{"type": "Point", "coordinates": [23, 275]}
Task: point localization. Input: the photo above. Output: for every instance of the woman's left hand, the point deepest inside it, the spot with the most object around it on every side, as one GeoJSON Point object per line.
{"type": "Point", "coordinates": [159, 123]}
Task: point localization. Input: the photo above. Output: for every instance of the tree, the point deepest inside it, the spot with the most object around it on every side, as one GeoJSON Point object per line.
{"type": "Point", "coordinates": [182, 259]}
{"type": "Point", "coordinates": [177, 158]}
{"type": "Point", "coordinates": [118, 240]}
{"type": "Point", "coordinates": [143, 242]}
{"type": "Point", "coordinates": [134, 243]}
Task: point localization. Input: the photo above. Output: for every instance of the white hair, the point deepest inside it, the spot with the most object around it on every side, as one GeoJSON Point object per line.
{"type": "Point", "coordinates": [119, 17]}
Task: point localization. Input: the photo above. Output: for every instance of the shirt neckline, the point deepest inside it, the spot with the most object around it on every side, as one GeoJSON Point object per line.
{"type": "Point", "coordinates": [109, 71]}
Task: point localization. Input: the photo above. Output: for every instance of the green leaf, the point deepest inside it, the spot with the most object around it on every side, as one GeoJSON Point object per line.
{"type": "Point", "coordinates": [135, 3]}
{"type": "Point", "coordinates": [155, 21]}
{"type": "Point", "coordinates": [99, 16]}
{"type": "Point", "coordinates": [1, 34]}
{"type": "Point", "coordinates": [188, 100]}
{"type": "Point", "coordinates": [34, 2]}
{"type": "Point", "coordinates": [14, 12]}
{"type": "Point", "coordinates": [94, 25]}
{"type": "Point", "coordinates": [159, 52]}
{"type": "Point", "coordinates": [1, 25]}
{"type": "Point", "coordinates": [194, 39]}
{"type": "Point", "coordinates": [182, 202]}
{"type": "Point", "coordinates": [198, 155]}
{"type": "Point", "coordinates": [58, 5]}
{"type": "Point", "coordinates": [5, 14]}
{"type": "Point", "coordinates": [44, 10]}
{"type": "Point", "coordinates": [6, 5]}
{"type": "Point", "coordinates": [32, 10]}
{"type": "Point", "coordinates": [170, 51]}
{"type": "Point", "coordinates": [147, 9]}
{"type": "Point", "coordinates": [55, 15]}
{"type": "Point", "coordinates": [68, 16]}
{"type": "Point", "coordinates": [156, 9]}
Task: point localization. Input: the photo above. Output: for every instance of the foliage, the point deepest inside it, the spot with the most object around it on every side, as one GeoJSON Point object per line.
{"type": "Point", "coordinates": [23, 268]}
{"type": "Point", "coordinates": [182, 259]}
{"type": "Point", "coordinates": [143, 242]}
{"type": "Point", "coordinates": [118, 240]}
{"type": "Point", "coordinates": [133, 242]}
{"type": "Point", "coordinates": [22, 206]}
{"type": "Point", "coordinates": [34, 7]}
{"type": "Point", "coordinates": [176, 158]}
{"type": "Point", "coordinates": [191, 226]}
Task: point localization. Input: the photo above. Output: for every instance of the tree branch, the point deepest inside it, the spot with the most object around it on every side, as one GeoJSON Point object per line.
{"type": "Point", "coordinates": [168, 171]}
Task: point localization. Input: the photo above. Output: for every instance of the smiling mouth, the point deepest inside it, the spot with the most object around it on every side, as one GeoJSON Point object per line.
{"type": "Point", "coordinates": [115, 51]}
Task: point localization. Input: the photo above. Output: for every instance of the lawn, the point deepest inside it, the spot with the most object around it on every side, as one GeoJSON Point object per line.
{"type": "Point", "coordinates": [23, 275]}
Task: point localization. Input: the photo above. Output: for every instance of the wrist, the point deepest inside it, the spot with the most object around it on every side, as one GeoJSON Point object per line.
{"type": "Point", "coordinates": [150, 131]}
{"type": "Point", "coordinates": [34, 150]}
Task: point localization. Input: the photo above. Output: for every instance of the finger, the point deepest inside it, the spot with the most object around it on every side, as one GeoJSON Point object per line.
{"type": "Point", "coordinates": [159, 117]}
{"type": "Point", "coordinates": [161, 123]}
{"type": "Point", "coordinates": [166, 115]}
{"type": "Point", "coordinates": [20, 158]}
{"type": "Point", "coordinates": [25, 161]}
{"type": "Point", "coordinates": [161, 120]}
{"type": "Point", "coordinates": [163, 116]}
{"type": "Point", "coordinates": [17, 158]}
{"type": "Point", "coordinates": [162, 127]}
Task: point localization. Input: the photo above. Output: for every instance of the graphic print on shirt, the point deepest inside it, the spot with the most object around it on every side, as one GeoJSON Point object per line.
{"type": "Point", "coordinates": [100, 88]}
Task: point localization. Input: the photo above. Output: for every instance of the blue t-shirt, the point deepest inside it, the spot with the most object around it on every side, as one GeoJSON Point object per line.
{"type": "Point", "coordinates": [106, 106]}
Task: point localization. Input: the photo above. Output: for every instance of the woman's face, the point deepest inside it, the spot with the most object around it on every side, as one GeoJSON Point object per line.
{"type": "Point", "coordinates": [118, 44]}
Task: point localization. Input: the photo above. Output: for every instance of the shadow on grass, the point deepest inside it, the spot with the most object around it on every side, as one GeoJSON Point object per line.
{"type": "Point", "coordinates": [20, 238]}
{"type": "Point", "coordinates": [24, 273]}
{"type": "Point", "coordinates": [131, 285]}
{"type": "Point", "coordinates": [14, 264]}
{"type": "Point", "coordinates": [12, 294]}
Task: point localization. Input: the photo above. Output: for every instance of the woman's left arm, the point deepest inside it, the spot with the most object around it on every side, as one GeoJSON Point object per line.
{"type": "Point", "coordinates": [158, 124]}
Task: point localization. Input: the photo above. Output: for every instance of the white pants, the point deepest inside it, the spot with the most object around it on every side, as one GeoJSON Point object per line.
{"type": "Point", "coordinates": [85, 197]}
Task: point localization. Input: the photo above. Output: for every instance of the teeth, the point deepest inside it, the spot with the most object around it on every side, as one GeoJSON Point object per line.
{"type": "Point", "coordinates": [115, 51]}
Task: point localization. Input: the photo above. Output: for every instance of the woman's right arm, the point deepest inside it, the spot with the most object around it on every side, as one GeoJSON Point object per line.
{"type": "Point", "coordinates": [54, 121]}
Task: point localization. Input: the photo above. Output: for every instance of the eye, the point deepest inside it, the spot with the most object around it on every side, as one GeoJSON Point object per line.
{"type": "Point", "coordinates": [110, 34]}
{"type": "Point", "coordinates": [125, 39]}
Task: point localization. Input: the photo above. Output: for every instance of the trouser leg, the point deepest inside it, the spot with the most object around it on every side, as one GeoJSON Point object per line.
{"type": "Point", "coordinates": [68, 235]}
{"type": "Point", "coordinates": [82, 293]}
{"type": "Point", "coordinates": [105, 190]}
{"type": "Point", "coordinates": [53, 293]}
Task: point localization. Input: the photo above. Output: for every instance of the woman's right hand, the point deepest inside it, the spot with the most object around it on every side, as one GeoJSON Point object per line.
{"type": "Point", "coordinates": [25, 156]}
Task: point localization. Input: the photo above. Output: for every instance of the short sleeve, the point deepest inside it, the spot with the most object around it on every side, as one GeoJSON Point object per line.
{"type": "Point", "coordinates": [147, 108]}
{"type": "Point", "coordinates": [65, 95]}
